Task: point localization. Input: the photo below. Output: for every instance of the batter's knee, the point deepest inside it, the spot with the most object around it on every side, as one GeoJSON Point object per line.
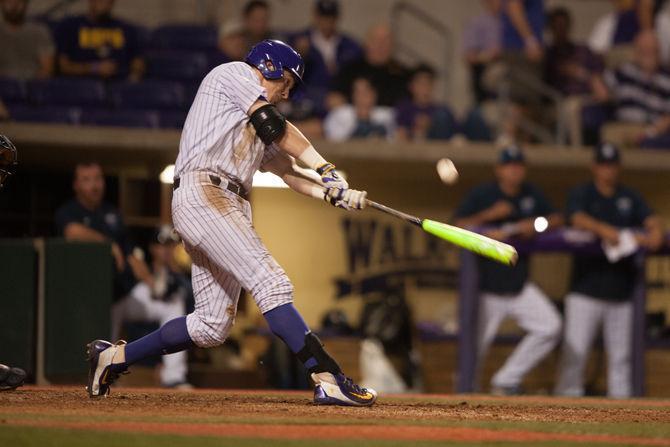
{"type": "Point", "coordinates": [208, 331]}
{"type": "Point", "coordinates": [272, 292]}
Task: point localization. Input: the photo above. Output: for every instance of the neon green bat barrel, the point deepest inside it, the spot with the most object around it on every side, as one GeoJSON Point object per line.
{"type": "Point", "coordinates": [482, 245]}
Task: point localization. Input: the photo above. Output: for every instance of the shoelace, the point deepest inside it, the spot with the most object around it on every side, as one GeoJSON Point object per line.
{"type": "Point", "coordinates": [349, 382]}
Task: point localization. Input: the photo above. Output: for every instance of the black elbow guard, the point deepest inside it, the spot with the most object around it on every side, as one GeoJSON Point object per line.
{"type": "Point", "coordinates": [270, 125]}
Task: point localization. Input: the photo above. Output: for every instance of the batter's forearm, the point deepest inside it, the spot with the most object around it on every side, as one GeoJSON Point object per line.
{"type": "Point", "coordinates": [298, 146]}
{"type": "Point", "coordinates": [304, 186]}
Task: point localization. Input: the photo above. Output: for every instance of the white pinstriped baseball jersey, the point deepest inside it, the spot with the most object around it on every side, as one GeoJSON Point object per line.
{"type": "Point", "coordinates": [217, 136]}
{"type": "Point", "coordinates": [215, 223]}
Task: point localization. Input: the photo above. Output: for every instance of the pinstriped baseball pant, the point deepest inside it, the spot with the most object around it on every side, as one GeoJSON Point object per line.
{"type": "Point", "coordinates": [215, 225]}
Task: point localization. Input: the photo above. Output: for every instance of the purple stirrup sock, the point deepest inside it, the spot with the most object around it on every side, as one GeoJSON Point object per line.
{"type": "Point", "coordinates": [170, 338]}
{"type": "Point", "coordinates": [286, 323]}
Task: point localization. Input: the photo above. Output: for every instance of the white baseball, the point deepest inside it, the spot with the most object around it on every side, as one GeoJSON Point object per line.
{"type": "Point", "coordinates": [447, 171]}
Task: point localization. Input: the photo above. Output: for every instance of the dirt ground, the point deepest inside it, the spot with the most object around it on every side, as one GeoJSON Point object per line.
{"type": "Point", "coordinates": [291, 415]}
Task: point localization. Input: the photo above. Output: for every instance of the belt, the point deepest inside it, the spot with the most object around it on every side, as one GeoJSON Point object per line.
{"type": "Point", "coordinates": [216, 181]}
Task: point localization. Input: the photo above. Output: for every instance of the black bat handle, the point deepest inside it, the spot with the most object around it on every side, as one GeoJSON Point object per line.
{"type": "Point", "coordinates": [385, 209]}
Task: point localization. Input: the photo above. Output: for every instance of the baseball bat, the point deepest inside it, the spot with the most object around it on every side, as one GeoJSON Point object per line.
{"type": "Point", "coordinates": [474, 242]}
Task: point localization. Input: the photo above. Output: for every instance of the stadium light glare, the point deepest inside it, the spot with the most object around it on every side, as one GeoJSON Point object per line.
{"type": "Point", "coordinates": [167, 175]}
{"type": "Point", "coordinates": [541, 224]}
{"type": "Point", "coordinates": [268, 180]}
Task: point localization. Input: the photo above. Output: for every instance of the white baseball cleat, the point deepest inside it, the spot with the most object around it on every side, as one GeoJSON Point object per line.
{"type": "Point", "coordinates": [101, 356]}
{"type": "Point", "coordinates": [338, 389]}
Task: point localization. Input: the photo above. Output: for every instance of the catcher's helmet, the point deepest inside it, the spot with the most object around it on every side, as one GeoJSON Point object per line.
{"type": "Point", "coordinates": [272, 57]}
{"type": "Point", "coordinates": [8, 158]}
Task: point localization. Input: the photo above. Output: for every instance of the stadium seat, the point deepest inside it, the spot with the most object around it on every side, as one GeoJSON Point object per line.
{"type": "Point", "coordinates": [44, 114]}
{"type": "Point", "coordinates": [12, 90]}
{"type": "Point", "coordinates": [120, 118]}
{"type": "Point", "coordinates": [176, 65]}
{"type": "Point", "coordinates": [67, 91]}
{"type": "Point", "coordinates": [184, 37]}
{"type": "Point", "coordinates": [150, 94]}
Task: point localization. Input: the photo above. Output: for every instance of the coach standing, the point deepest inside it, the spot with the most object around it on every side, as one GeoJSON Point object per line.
{"type": "Point", "coordinates": [601, 290]}
{"type": "Point", "coordinates": [509, 207]}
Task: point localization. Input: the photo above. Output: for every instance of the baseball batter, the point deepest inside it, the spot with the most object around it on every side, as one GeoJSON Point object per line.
{"type": "Point", "coordinates": [232, 130]}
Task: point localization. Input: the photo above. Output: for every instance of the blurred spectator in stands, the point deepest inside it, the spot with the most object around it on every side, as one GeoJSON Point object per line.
{"type": "Point", "coordinates": [99, 45]}
{"type": "Point", "coordinates": [231, 44]}
{"type": "Point", "coordinates": [325, 50]}
{"type": "Point", "coordinates": [639, 90]}
{"type": "Point", "coordinates": [377, 65]}
{"type": "Point", "coordinates": [361, 119]}
{"type": "Point", "coordinates": [170, 289]}
{"type": "Point", "coordinates": [420, 117]}
{"type": "Point", "coordinates": [26, 48]}
{"type": "Point", "coordinates": [256, 17]}
{"type": "Point", "coordinates": [601, 290]}
{"type": "Point", "coordinates": [509, 207]}
{"type": "Point", "coordinates": [482, 45]}
{"type": "Point", "coordinates": [521, 78]}
{"type": "Point", "coordinates": [570, 68]}
{"type": "Point", "coordinates": [87, 217]}
{"type": "Point", "coordinates": [618, 28]}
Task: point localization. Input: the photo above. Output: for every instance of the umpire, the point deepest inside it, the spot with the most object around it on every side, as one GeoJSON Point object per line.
{"type": "Point", "coordinates": [601, 291]}
{"type": "Point", "coordinates": [509, 207]}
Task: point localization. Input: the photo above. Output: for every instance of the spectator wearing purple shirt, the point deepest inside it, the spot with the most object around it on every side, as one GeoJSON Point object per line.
{"type": "Point", "coordinates": [420, 117]}
{"type": "Point", "coordinates": [98, 45]}
{"type": "Point", "coordinates": [325, 50]}
{"type": "Point", "coordinates": [570, 68]}
{"type": "Point", "coordinates": [482, 44]}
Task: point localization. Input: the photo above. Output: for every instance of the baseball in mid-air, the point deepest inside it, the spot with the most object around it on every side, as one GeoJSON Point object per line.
{"type": "Point", "coordinates": [447, 171]}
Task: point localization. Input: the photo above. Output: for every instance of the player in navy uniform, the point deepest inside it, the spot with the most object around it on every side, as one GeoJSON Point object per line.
{"type": "Point", "coordinates": [509, 207]}
{"type": "Point", "coordinates": [601, 291]}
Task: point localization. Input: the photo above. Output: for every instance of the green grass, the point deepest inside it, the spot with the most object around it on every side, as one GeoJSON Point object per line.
{"type": "Point", "coordinates": [31, 437]}
{"type": "Point", "coordinates": [656, 430]}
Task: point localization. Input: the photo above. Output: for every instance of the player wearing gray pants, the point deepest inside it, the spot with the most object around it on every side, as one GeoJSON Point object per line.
{"type": "Point", "coordinates": [509, 206]}
{"type": "Point", "coordinates": [601, 290]}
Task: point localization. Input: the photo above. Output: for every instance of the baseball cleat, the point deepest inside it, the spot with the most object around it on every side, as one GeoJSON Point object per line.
{"type": "Point", "coordinates": [338, 389]}
{"type": "Point", "coordinates": [101, 355]}
{"type": "Point", "coordinates": [11, 378]}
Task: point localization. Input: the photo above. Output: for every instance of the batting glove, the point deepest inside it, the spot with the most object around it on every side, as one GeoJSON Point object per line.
{"type": "Point", "coordinates": [331, 178]}
{"type": "Point", "coordinates": [348, 199]}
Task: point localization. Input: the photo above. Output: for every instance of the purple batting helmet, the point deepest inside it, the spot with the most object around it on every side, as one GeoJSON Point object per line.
{"type": "Point", "coordinates": [272, 57]}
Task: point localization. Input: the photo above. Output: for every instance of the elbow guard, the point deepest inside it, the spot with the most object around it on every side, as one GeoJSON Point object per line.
{"type": "Point", "coordinates": [270, 125]}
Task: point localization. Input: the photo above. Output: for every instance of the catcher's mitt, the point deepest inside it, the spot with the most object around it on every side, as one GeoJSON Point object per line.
{"type": "Point", "coordinates": [11, 378]}
{"type": "Point", "coordinates": [8, 159]}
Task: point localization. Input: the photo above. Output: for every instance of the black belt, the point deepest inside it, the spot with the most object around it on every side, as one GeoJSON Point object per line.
{"type": "Point", "coordinates": [216, 181]}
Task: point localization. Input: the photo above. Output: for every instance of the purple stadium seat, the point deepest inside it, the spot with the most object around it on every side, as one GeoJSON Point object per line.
{"type": "Point", "coordinates": [12, 90]}
{"type": "Point", "coordinates": [44, 114]}
{"type": "Point", "coordinates": [120, 118]}
{"type": "Point", "coordinates": [148, 95]}
{"type": "Point", "coordinates": [176, 65]}
{"type": "Point", "coordinates": [172, 119]}
{"type": "Point", "coordinates": [67, 91]}
{"type": "Point", "coordinates": [184, 37]}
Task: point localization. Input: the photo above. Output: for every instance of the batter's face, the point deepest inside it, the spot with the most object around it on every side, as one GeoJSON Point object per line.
{"type": "Point", "coordinates": [89, 185]}
{"type": "Point", "coordinates": [279, 89]}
